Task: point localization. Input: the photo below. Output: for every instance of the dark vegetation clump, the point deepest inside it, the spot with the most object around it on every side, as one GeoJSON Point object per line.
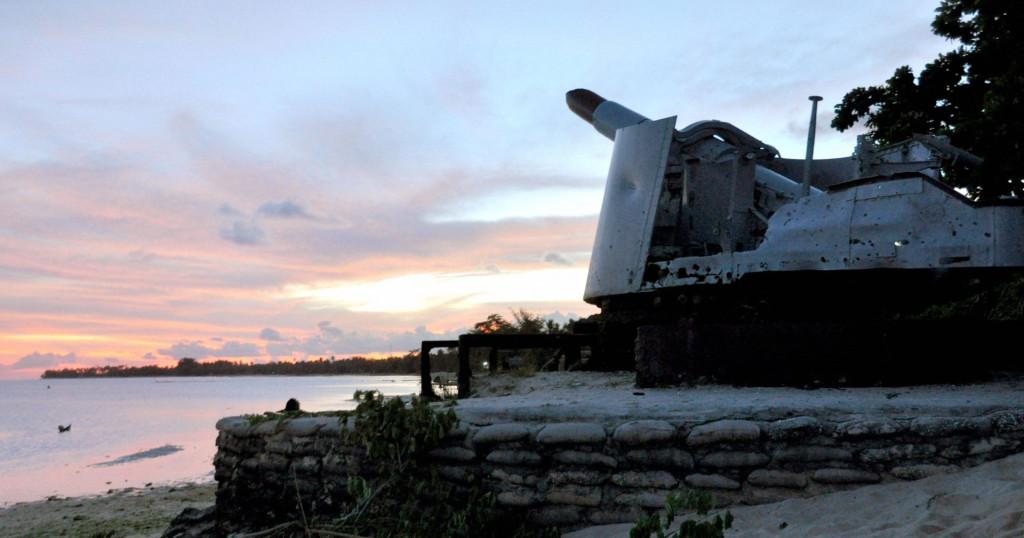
{"type": "Point", "coordinates": [703, 526]}
{"type": "Point", "coordinates": [405, 364]}
{"type": "Point", "coordinates": [971, 94]}
{"type": "Point", "coordinates": [1001, 302]}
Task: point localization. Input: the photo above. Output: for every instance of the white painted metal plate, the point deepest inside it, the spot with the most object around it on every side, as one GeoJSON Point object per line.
{"type": "Point", "coordinates": [627, 212]}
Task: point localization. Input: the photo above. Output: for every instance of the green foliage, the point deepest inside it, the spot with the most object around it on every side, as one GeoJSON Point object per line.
{"type": "Point", "coordinates": [1002, 302]}
{"type": "Point", "coordinates": [406, 497]}
{"type": "Point", "coordinates": [972, 94]}
{"type": "Point", "coordinates": [283, 415]}
{"type": "Point", "coordinates": [494, 324]}
{"type": "Point", "coordinates": [701, 527]}
{"type": "Point", "coordinates": [523, 323]}
{"type": "Point", "coordinates": [395, 434]}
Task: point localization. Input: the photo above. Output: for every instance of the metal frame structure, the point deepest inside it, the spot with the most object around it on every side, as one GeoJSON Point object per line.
{"type": "Point", "coordinates": [568, 344]}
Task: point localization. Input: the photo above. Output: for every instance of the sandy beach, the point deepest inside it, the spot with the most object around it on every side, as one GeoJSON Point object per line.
{"type": "Point", "coordinates": [130, 512]}
{"type": "Point", "coordinates": [987, 500]}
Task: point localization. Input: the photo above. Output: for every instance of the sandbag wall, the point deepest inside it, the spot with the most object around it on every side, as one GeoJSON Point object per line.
{"type": "Point", "coordinates": [575, 474]}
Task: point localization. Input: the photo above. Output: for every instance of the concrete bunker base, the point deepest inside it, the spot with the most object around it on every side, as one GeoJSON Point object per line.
{"type": "Point", "coordinates": [575, 458]}
{"type": "Point", "coordinates": [825, 353]}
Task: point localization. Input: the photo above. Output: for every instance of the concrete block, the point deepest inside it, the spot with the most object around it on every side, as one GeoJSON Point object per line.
{"type": "Point", "coordinates": [845, 476]}
{"type": "Point", "coordinates": [576, 457]}
{"type": "Point", "coordinates": [915, 472]}
{"type": "Point", "coordinates": [896, 453]}
{"type": "Point", "coordinates": [794, 428]}
{"type": "Point", "coordinates": [571, 432]}
{"type": "Point", "coordinates": [237, 426]}
{"type": "Point", "coordinates": [777, 479]}
{"type": "Point", "coordinates": [501, 433]}
{"type": "Point", "coordinates": [644, 479]}
{"type": "Point", "coordinates": [514, 457]}
{"type": "Point", "coordinates": [583, 478]}
{"type": "Point", "coordinates": [724, 431]}
{"type": "Point", "coordinates": [711, 481]}
{"type": "Point", "coordinates": [730, 459]}
{"type": "Point", "coordinates": [574, 495]}
{"type": "Point", "coordinates": [645, 499]}
{"type": "Point", "coordinates": [661, 457]}
{"type": "Point", "coordinates": [452, 453]}
{"type": "Point", "coordinates": [640, 432]}
{"type": "Point", "coordinates": [947, 426]}
{"type": "Point", "coordinates": [871, 427]}
{"type": "Point", "coordinates": [806, 454]}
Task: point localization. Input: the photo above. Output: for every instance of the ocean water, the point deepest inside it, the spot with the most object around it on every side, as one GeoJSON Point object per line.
{"type": "Point", "coordinates": [129, 432]}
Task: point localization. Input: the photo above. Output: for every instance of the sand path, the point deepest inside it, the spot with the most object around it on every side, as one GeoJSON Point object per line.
{"type": "Point", "coordinates": [987, 500]}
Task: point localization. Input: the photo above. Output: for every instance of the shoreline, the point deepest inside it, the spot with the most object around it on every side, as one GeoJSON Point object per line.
{"type": "Point", "coordinates": [123, 512]}
{"type": "Point", "coordinates": [359, 374]}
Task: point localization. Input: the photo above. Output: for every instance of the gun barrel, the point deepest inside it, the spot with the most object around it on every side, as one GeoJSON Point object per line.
{"type": "Point", "coordinates": [606, 116]}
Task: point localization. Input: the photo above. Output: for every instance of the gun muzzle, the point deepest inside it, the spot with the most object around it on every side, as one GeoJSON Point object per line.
{"type": "Point", "coordinates": [606, 116]}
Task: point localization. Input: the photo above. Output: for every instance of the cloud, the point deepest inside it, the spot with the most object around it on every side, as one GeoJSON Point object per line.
{"type": "Point", "coordinates": [243, 233]}
{"type": "Point", "coordinates": [181, 350]}
{"type": "Point", "coordinates": [332, 340]}
{"type": "Point", "coordinates": [237, 349]}
{"type": "Point", "coordinates": [561, 318]}
{"type": "Point", "coordinates": [229, 211]}
{"type": "Point", "coordinates": [283, 210]}
{"type": "Point", "coordinates": [197, 350]}
{"type": "Point", "coordinates": [270, 334]}
{"type": "Point", "coordinates": [557, 259]}
{"type": "Point", "coordinates": [83, 187]}
{"type": "Point", "coordinates": [43, 360]}
{"type": "Point", "coordinates": [330, 331]}
{"type": "Point", "coordinates": [822, 126]}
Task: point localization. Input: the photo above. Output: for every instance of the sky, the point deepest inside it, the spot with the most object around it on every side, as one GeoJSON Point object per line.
{"type": "Point", "coordinates": [283, 180]}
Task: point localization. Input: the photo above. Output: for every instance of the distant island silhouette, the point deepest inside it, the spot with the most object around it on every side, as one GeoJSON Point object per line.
{"type": "Point", "coordinates": [405, 364]}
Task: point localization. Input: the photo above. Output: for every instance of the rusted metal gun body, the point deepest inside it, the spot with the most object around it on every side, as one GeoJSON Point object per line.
{"type": "Point", "coordinates": [710, 204]}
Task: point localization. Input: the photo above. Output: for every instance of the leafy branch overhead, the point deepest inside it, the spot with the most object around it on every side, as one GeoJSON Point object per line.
{"type": "Point", "coordinates": [973, 94]}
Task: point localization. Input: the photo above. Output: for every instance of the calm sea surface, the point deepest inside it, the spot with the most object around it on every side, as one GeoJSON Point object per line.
{"type": "Point", "coordinates": [132, 431]}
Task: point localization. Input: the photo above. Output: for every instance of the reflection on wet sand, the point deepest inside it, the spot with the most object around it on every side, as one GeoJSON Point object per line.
{"type": "Point", "coordinates": [141, 455]}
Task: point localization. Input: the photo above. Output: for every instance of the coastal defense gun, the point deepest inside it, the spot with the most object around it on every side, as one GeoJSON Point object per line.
{"type": "Point", "coordinates": [714, 256]}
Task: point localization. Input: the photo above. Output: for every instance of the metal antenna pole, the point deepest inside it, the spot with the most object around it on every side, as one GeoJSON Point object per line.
{"type": "Point", "coordinates": [806, 190]}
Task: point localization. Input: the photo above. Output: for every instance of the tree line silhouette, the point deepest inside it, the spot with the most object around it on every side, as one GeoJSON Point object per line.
{"type": "Point", "coordinates": [405, 364]}
{"type": "Point", "coordinates": [441, 360]}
